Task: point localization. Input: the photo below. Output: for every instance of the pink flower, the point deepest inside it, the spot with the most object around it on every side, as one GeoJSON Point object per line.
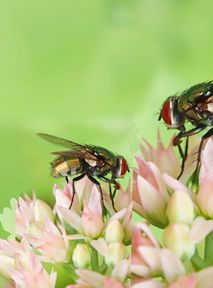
{"type": "Point", "coordinates": [123, 198]}
{"type": "Point", "coordinates": [149, 193]}
{"type": "Point", "coordinates": [117, 279]}
{"type": "Point", "coordinates": [92, 221]}
{"type": "Point", "coordinates": [185, 282]}
{"type": "Point", "coordinates": [205, 193]}
{"type": "Point", "coordinates": [63, 197]}
{"type": "Point", "coordinates": [149, 260]}
{"type": "Point", "coordinates": [206, 170]}
{"type": "Point", "coordinates": [29, 272]}
{"type": "Point", "coordinates": [28, 211]}
{"type": "Point", "coordinates": [80, 284]}
{"type": "Point", "coordinates": [49, 240]}
{"type": "Point", "coordinates": [141, 236]}
{"type": "Point", "coordinates": [112, 283]}
{"type": "Point", "coordinates": [8, 251]}
{"type": "Point", "coordinates": [19, 263]}
{"type": "Point", "coordinates": [88, 223]}
{"type": "Point", "coordinates": [160, 156]}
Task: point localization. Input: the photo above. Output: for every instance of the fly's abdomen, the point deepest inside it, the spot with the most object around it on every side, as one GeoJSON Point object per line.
{"type": "Point", "coordinates": [64, 167]}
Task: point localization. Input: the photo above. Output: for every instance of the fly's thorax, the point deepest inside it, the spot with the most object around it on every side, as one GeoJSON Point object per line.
{"type": "Point", "coordinates": [170, 113]}
{"type": "Point", "coordinates": [62, 166]}
{"type": "Point", "coordinates": [197, 112]}
{"type": "Point", "coordinates": [121, 167]}
{"type": "Point", "coordinates": [196, 103]}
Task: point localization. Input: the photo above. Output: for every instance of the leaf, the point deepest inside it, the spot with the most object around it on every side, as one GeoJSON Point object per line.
{"type": "Point", "coordinates": [8, 218]}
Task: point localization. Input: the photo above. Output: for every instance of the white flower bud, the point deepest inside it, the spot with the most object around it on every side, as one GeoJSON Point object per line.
{"type": "Point", "coordinates": [116, 253]}
{"type": "Point", "coordinates": [177, 237]}
{"type": "Point", "coordinates": [81, 256]}
{"type": "Point", "coordinates": [180, 208]}
{"type": "Point", "coordinates": [114, 231]}
{"type": "Point", "coordinates": [42, 211]}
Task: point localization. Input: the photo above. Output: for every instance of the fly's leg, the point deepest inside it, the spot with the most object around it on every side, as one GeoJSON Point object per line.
{"type": "Point", "coordinates": [177, 141]}
{"type": "Point", "coordinates": [111, 197]}
{"type": "Point", "coordinates": [67, 179]}
{"type": "Point", "coordinates": [73, 187]}
{"type": "Point", "coordinates": [111, 194]}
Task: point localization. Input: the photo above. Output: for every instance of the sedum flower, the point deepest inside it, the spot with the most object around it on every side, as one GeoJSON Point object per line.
{"type": "Point", "coordinates": [28, 211]}
{"type": "Point", "coordinates": [89, 222]}
{"type": "Point", "coordinates": [148, 259]}
{"type": "Point", "coordinates": [23, 266]}
{"type": "Point", "coordinates": [204, 197]}
{"type": "Point", "coordinates": [8, 251]}
{"type": "Point", "coordinates": [123, 198]}
{"type": "Point", "coordinates": [160, 156]}
{"type": "Point", "coordinates": [201, 279]}
{"type": "Point", "coordinates": [141, 236]}
{"type": "Point", "coordinates": [92, 222]}
{"type": "Point", "coordinates": [149, 193]}
{"type": "Point", "coordinates": [51, 241]}
{"type": "Point", "coordinates": [150, 188]}
{"type": "Point", "coordinates": [118, 278]}
{"type": "Point", "coordinates": [29, 272]}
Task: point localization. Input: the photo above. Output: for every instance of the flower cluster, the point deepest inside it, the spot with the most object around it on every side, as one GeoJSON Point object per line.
{"type": "Point", "coordinates": [87, 247]}
{"type": "Point", "coordinates": [62, 247]}
{"type": "Point", "coordinates": [180, 253]}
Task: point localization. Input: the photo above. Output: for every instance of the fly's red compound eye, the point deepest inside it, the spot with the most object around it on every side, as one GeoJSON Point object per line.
{"type": "Point", "coordinates": [124, 167]}
{"type": "Point", "coordinates": [166, 112]}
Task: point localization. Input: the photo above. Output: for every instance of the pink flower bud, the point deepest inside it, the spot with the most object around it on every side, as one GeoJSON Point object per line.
{"type": "Point", "coordinates": [92, 223]}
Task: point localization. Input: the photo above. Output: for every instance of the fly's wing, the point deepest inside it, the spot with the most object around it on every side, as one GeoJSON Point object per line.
{"type": "Point", "coordinates": [76, 150]}
{"type": "Point", "coordinates": [61, 141]}
{"type": "Point", "coordinates": [89, 152]}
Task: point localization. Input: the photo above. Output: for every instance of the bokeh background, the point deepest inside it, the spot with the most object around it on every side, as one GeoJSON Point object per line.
{"type": "Point", "coordinates": [94, 71]}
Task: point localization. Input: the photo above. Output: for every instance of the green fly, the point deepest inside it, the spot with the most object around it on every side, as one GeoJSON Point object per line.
{"type": "Point", "coordinates": [194, 105]}
{"type": "Point", "coordinates": [87, 160]}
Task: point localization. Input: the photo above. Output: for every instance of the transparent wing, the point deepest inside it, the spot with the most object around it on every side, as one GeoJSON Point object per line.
{"type": "Point", "coordinates": [61, 141]}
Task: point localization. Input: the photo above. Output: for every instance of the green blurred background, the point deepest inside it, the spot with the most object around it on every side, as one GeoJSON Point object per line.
{"type": "Point", "coordinates": [94, 71]}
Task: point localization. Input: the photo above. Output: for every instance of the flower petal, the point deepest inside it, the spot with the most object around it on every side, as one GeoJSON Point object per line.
{"type": "Point", "coordinates": [200, 229]}
{"type": "Point", "coordinates": [171, 265]}
{"type": "Point", "coordinates": [71, 217]}
{"type": "Point", "coordinates": [95, 279]}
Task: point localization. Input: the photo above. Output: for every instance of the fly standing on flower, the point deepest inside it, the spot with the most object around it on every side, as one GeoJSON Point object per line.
{"type": "Point", "coordinates": [194, 105]}
{"type": "Point", "coordinates": [87, 160]}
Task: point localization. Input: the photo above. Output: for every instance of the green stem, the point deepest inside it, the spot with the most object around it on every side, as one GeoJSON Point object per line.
{"type": "Point", "coordinates": [208, 256]}
{"type": "Point", "coordinates": [94, 261]}
{"type": "Point", "coordinates": [197, 262]}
